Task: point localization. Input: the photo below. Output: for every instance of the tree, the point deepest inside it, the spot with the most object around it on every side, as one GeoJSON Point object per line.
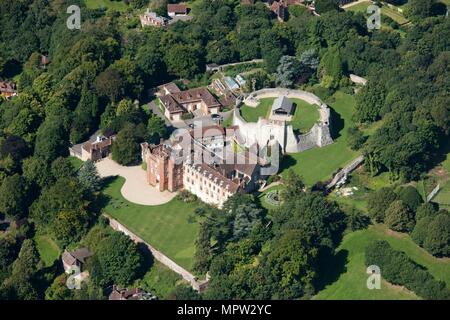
{"type": "Point", "coordinates": [355, 138]}
{"type": "Point", "coordinates": [399, 217]}
{"type": "Point", "coordinates": [150, 60]}
{"type": "Point", "coordinates": [246, 218]}
{"type": "Point", "coordinates": [310, 58]}
{"type": "Point", "coordinates": [8, 254]}
{"type": "Point", "coordinates": [68, 226]}
{"type": "Point", "coordinates": [156, 128]}
{"type": "Point", "coordinates": [117, 261]}
{"type": "Point", "coordinates": [65, 195]}
{"type": "Point", "coordinates": [85, 116]}
{"type": "Point", "coordinates": [183, 292]}
{"type": "Point", "coordinates": [293, 186]}
{"type": "Point", "coordinates": [88, 176]}
{"type": "Point", "coordinates": [420, 231]}
{"type": "Point", "coordinates": [379, 201]}
{"type": "Point", "coordinates": [419, 9]}
{"type": "Point", "coordinates": [61, 168]}
{"type": "Point", "coordinates": [437, 240]}
{"type": "Point", "coordinates": [58, 289]}
{"type": "Point", "coordinates": [370, 101]}
{"type": "Point", "coordinates": [357, 220]}
{"type": "Point", "coordinates": [110, 84]}
{"type": "Point", "coordinates": [22, 282]}
{"type": "Point", "coordinates": [125, 149]}
{"type": "Point", "coordinates": [184, 60]}
{"type": "Point", "coordinates": [323, 6]}
{"type": "Point", "coordinates": [36, 172]}
{"type": "Point", "coordinates": [288, 71]}
{"type": "Point", "coordinates": [290, 265]}
{"type": "Point", "coordinates": [51, 139]}
{"type": "Point", "coordinates": [14, 196]}
{"type": "Point", "coordinates": [411, 197]}
{"type": "Point", "coordinates": [203, 251]}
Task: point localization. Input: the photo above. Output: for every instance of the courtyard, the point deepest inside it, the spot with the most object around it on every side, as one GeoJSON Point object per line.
{"type": "Point", "coordinates": [135, 187]}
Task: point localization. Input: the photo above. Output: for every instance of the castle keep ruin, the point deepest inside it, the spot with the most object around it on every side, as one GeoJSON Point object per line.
{"type": "Point", "coordinates": [267, 132]}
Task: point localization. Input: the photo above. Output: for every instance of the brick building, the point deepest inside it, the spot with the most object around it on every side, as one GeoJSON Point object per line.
{"type": "Point", "coordinates": [162, 170]}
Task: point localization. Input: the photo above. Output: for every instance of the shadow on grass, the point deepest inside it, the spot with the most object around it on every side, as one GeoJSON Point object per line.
{"type": "Point", "coordinates": [287, 162]}
{"type": "Point", "coordinates": [441, 154]}
{"type": "Point", "coordinates": [337, 124]}
{"type": "Point", "coordinates": [148, 259]}
{"type": "Point", "coordinates": [330, 267]}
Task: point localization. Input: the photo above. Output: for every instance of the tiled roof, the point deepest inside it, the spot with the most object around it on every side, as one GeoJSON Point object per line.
{"type": "Point", "coordinates": [173, 102]}
{"type": "Point", "coordinates": [176, 8]}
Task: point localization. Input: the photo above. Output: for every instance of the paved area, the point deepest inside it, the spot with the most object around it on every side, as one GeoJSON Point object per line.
{"type": "Point", "coordinates": [135, 189]}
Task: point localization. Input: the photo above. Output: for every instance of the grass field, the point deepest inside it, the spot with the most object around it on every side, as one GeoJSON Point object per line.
{"type": "Point", "coordinates": [168, 227]}
{"type": "Point", "coordinates": [262, 197]}
{"type": "Point", "coordinates": [305, 116]}
{"type": "Point", "coordinates": [319, 164]}
{"type": "Point", "coordinates": [351, 283]}
{"type": "Point", "coordinates": [251, 114]}
{"type": "Point", "coordinates": [48, 249]}
{"type": "Point", "coordinates": [108, 4]}
{"type": "Point", "coordinates": [159, 280]}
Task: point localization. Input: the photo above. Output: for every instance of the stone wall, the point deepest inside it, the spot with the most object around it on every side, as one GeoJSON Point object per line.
{"type": "Point", "coordinates": [345, 171]}
{"type": "Point", "coordinates": [263, 131]}
{"type": "Point", "coordinates": [189, 277]}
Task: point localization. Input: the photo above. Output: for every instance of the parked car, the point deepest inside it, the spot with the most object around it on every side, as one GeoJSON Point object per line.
{"type": "Point", "coordinates": [216, 117]}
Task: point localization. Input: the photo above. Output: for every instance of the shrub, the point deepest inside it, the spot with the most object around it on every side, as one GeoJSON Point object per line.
{"type": "Point", "coordinates": [397, 268]}
{"type": "Point", "coordinates": [411, 197]}
{"type": "Point", "coordinates": [379, 201]}
{"type": "Point", "coordinates": [186, 196]}
{"type": "Point", "coordinates": [356, 220]}
{"type": "Point", "coordinates": [399, 217]}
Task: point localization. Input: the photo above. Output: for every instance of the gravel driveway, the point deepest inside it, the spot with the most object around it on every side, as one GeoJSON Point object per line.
{"type": "Point", "coordinates": [135, 189]}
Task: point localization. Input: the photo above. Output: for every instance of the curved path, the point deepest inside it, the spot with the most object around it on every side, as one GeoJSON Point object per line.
{"type": "Point", "coordinates": [135, 189]}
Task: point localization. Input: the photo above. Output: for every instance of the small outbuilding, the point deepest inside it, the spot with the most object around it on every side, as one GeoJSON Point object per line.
{"type": "Point", "coordinates": [282, 106]}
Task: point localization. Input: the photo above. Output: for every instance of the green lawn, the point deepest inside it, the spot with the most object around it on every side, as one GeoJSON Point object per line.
{"type": "Point", "coordinates": [168, 227]}
{"type": "Point", "coordinates": [351, 283]}
{"type": "Point", "coordinates": [305, 116]}
{"type": "Point", "coordinates": [109, 4]}
{"type": "Point", "coordinates": [319, 164]}
{"type": "Point", "coordinates": [251, 114]}
{"type": "Point", "coordinates": [77, 163]}
{"type": "Point", "coordinates": [262, 197]}
{"type": "Point", "coordinates": [443, 197]}
{"type": "Point", "coordinates": [159, 280]}
{"type": "Point", "coordinates": [48, 249]}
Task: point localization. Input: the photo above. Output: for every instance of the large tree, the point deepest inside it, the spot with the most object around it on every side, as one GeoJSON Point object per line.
{"type": "Point", "coordinates": [399, 217]}
{"type": "Point", "coordinates": [117, 260]}
{"type": "Point", "coordinates": [14, 196]}
{"type": "Point", "coordinates": [125, 149]}
{"type": "Point", "coordinates": [88, 176]}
